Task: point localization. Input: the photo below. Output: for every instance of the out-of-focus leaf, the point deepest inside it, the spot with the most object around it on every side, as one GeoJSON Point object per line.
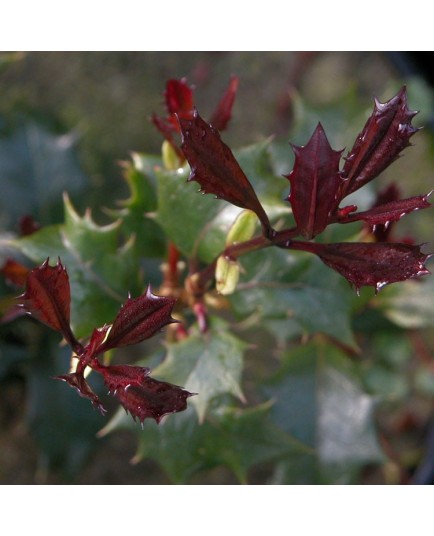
{"type": "Point", "coordinates": [208, 364]}
{"type": "Point", "coordinates": [319, 401]}
{"type": "Point", "coordinates": [215, 168]}
{"type": "Point", "coordinates": [223, 113]}
{"type": "Point", "coordinates": [36, 167]}
{"type": "Point", "coordinates": [315, 183]}
{"type": "Point", "coordinates": [411, 305]}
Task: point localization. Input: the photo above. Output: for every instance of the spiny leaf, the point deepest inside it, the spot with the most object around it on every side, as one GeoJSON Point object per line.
{"type": "Point", "coordinates": [215, 168]}
{"type": "Point", "coordinates": [48, 297]}
{"type": "Point", "coordinates": [315, 183]}
{"type": "Point", "coordinates": [143, 396]}
{"type": "Point", "coordinates": [370, 264]}
{"type": "Point", "coordinates": [388, 212]}
{"type": "Point", "coordinates": [139, 319]}
{"type": "Point", "coordinates": [386, 133]}
{"type": "Point", "coordinates": [78, 382]}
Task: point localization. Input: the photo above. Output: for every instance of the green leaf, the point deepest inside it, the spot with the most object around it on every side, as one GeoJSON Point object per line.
{"type": "Point", "coordinates": [208, 364]}
{"type": "Point", "coordinates": [136, 211]}
{"type": "Point", "coordinates": [236, 438]}
{"type": "Point", "coordinates": [100, 273]}
{"type": "Point", "coordinates": [319, 401]}
{"type": "Point", "coordinates": [36, 167]}
{"type": "Point", "coordinates": [284, 285]}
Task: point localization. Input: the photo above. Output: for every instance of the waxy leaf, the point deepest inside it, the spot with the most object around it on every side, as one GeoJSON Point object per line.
{"type": "Point", "coordinates": [370, 264]}
{"type": "Point", "coordinates": [141, 395]}
{"type": "Point", "coordinates": [388, 212]}
{"type": "Point", "coordinates": [215, 168]}
{"type": "Point", "coordinates": [78, 382]}
{"type": "Point", "coordinates": [48, 297]}
{"type": "Point", "coordinates": [139, 319]}
{"type": "Point", "coordinates": [386, 133]}
{"type": "Point", "coordinates": [315, 183]}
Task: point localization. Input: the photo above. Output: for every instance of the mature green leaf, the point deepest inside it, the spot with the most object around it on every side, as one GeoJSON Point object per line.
{"type": "Point", "coordinates": [136, 211]}
{"type": "Point", "coordinates": [236, 438]}
{"type": "Point", "coordinates": [319, 401]}
{"type": "Point", "coordinates": [35, 168]}
{"type": "Point", "coordinates": [100, 273]}
{"type": "Point", "coordinates": [317, 299]}
{"type": "Point", "coordinates": [208, 364]}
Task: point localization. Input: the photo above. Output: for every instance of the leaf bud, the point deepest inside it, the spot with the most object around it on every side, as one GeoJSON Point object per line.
{"type": "Point", "coordinates": [227, 273]}
{"type": "Point", "coordinates": [243, 228]}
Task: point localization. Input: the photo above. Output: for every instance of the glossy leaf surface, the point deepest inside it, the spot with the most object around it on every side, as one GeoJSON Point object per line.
{"type": "Point", "coordinates": [315, 183]}
{"type": "Point", "coordinates": [215, 168]}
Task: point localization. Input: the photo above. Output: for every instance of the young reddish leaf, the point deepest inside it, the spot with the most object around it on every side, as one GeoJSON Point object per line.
{"type": "Point", "coordinates": [223, 112]}
{"type": "Point", "coordinates": [138, 319]}
{"type": "Point", "coordinates": [141, 395]}
{"type": "Point", "coordinates": [370, 264]}
{"type": "Point", "coordinates": [80, 384]}
{"type": "Point", "coordinates": [179, 98]}
{"type": "Point", "coordinates": [386, 133]}
{"type": "Point", "coordinates": [28, 225]}
{"type": "Point", "coordinates": [315, 183]}
{"type": "Point", "coordinates": [15, 273]}
{"type": "Point", "coordinates": [48, 297]}
{"type": "Point", "coordinates": [215, 168]}
{"type": "Point", "coordinates": [388, 212]}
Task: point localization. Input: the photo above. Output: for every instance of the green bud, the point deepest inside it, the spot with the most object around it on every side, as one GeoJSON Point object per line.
{"type": "Point", "coordinates": [243, 228]}
{"type": "Point", "coordinates": [227, 273]}
{"type": "Point", "coordinates": [170, 158]}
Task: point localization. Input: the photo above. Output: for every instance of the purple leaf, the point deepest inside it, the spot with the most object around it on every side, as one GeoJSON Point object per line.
{"type": "Point", "coordinates": [138, 319]}
{"type": "Point", "coordinates": [386, 133]}
{"type": "Point", "coordinates": [315, 183]}
{"type": "Point", "coordinates": [223, 112]}
{"type": "Point", "coordinates": [141, 395]}
{"type": "Point", "coordinates": [370, 264]}
{"type": "Point", "coordinates": [215, 168]}
{"type": "Point", "coordinates": [388, 212]}
{"type": "Point", "coordinates": [80, 384]}
{"type": "Point", "coordinates": [48, 297]}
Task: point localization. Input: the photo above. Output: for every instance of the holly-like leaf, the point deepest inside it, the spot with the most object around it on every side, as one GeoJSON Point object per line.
{"type": "Point", "coordinates": [388, 212]}
{"type": "Point", "coordinates": [48, 297]}
{"type": "Point", "coordinates": [139, 319]}
{"type": "Point", "coordinates": [386, 133]}
{"type": "Point", "coordinates": [215, 168]}
{"type": "Point", "coordinates": [143, 396]}
{"type": "Point", "coordinates": [370, 264]}
{"type": "Point", "coordinates": [78, 382]}
{"type": "Point", "coordinates": [223, 113]}
{"type": "Point", "coordinates": [208, 364]}
{"type": "Point", "coordinates": [315, 183]}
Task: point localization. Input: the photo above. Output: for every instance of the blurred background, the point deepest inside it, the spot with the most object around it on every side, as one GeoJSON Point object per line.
{"type": "Point", "coordinates": [67, 120]}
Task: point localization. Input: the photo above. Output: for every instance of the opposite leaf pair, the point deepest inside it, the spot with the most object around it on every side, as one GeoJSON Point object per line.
{"type": "Point", "coordinates": [47, 298]}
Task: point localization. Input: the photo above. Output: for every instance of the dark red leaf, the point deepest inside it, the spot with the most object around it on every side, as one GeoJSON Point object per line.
{"type": "Point", "coordinates": [315, 183]}
{"type": "Point", "coordinates": [28, 225]}
{"type": "Point", "coordinates": [370, 264]}
{"type": "Point", "coordinates": [388, 212]}
{"type": "Point", "coordinates": [139, 319]}
{"type": "Point", "coordinates": [386, 133]}
{"type": "Point", "coordinates": [98, 336]}
{"type": "Point", "coordinates": [179, 98]}
{"type": "Point", "coordinates": [141, 395]}
{"type": "Point", "coordinates": [80, 384]}
{"type": "Point", "coordinates": [48, 297]}
{"type": "Point", "coordinates": [223, 112]}
{"type": "Point", "coordinates": [215, 168]}
{"type": "Point", "coordinates": [15, 273]}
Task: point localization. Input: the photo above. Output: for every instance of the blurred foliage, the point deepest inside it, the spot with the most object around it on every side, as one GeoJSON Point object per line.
{"type": "Point", "coordinates": [302, 381]}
